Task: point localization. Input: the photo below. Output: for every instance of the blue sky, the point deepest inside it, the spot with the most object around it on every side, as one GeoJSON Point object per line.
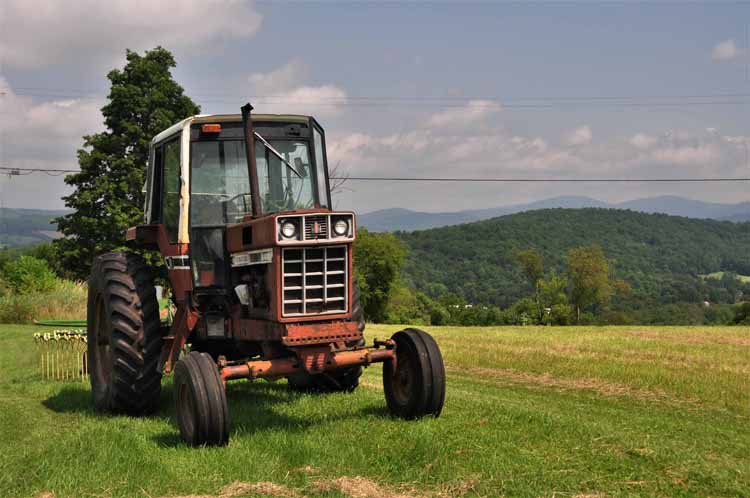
{"type": "Point", "coordinates": [417, 89]}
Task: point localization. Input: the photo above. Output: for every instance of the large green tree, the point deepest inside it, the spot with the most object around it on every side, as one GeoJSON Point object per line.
{"type": "Point", "coordinates": [378, 259]}
{"type": "Point", "coordinates": [143, 100]}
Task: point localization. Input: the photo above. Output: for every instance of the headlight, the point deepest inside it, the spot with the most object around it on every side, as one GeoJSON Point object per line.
{"type": "Point", "coordinates": [341, 227]}
{"type": "Point", "coordinates": [288, 229]}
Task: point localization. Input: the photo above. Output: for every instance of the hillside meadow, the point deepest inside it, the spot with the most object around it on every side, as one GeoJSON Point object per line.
{"type": "Point", "coordinates": [563, 412]}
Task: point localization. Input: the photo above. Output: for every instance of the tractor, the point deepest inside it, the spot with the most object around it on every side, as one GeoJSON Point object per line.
{"type": "Point", "coordinates": [260, 268]}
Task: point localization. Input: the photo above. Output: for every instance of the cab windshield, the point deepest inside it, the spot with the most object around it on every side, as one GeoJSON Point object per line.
{"type": "Point", "coordinates": [281, 187]}
{"type": "Point", "coordinates": [220, 186]}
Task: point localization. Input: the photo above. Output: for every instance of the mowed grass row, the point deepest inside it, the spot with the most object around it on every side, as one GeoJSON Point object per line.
{"type": "Point", "coordinates": [613, 411]}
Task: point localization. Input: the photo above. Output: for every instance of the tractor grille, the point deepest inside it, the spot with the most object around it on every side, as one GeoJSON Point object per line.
{"type": "Point", "coordinates": [315, 280]}
{"type": "Point", "coordinates": [316, 227]}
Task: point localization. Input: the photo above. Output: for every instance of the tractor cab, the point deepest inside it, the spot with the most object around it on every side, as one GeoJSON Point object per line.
{"type": "Point", "coordinates": [202, 180]}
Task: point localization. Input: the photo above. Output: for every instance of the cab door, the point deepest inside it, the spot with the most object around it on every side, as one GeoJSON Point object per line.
{"type": "Point", "coordinates": [165, 209]}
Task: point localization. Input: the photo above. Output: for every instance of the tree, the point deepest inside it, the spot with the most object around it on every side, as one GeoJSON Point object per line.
{"type": "Point", "coordinates": [532, 265]}
{"type": "Point", "coordinates": [28, 275]}
{"type": "Point", "coordinates": [588, 271]}
{"type": "Point", "coordinates": [107, 197]}
{"type": "Point", "coordinates": [378, 258]}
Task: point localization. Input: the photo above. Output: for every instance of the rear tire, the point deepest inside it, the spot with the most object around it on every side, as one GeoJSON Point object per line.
{"type": "Point", "coordinates": [416, 387]}
{"type": "Point", "coordinates": [201, 401]}
{"type": "Point", "coordinates": [123, 335]}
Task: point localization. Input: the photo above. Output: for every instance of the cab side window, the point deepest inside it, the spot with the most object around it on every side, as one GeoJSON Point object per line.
{"type": "Point", "coordinates": [170, 188]}
{"type": "Point", "coordinates": [155, 201]}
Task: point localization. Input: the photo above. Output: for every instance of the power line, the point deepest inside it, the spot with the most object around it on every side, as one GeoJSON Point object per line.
{"type": "Point", "coordinates": [539, 102]}
{"type": "Point", "coordinates": [28, 171]}
{"type": "Point", "coordinates": [541, 180]}
{"type": "Point", "coordinates": [460, 179]}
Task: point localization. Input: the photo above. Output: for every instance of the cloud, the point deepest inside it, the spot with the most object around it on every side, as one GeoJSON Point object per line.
{"type": "Point", "coordinates": [642, 141]}
{"type": "Point", "coordinates": [580, 136]}
{"type": "Point", "coordinates": [473, 112]}
{"type": "Point", "coordinates": [55, 33]}
{"type": "Point", "coordinates": [703, 154]}
{"type": "Point", "coordinates": [726, 50]}
{"type": "Point", "coordinates": [48, 131]}
{"type": "Point", "coordinates": [286, 89]}
{"type": "Point", "coordinates": [279, 80]}
{"type": "Point", "coordinates": [44, 135]}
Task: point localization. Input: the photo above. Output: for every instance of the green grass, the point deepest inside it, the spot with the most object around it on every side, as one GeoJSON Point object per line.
{"type": "Point", "coordinates": [611, 411]}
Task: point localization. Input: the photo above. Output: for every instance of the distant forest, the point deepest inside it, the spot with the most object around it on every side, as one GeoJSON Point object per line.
{"type": "Point", "coordinates": [678, 269]}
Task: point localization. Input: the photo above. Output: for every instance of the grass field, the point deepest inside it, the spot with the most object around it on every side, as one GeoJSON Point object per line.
{"type": "Point", "coordinates": [563, 412]}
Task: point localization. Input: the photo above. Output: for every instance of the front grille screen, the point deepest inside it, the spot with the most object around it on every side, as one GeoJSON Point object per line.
{"type": "Point", "coordinates": [316, 227]}
{"type": "Point", "coordinates": [315, 280]}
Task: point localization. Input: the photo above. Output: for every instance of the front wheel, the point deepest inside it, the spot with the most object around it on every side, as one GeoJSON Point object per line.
{"type": "Point", "coordinates": [201, 401]}
{"type": "Point", "coordinates": [415, 385]}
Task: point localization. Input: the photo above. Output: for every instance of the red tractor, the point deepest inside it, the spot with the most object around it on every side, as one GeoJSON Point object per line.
{"type": "Point", "coordinates": [261, 273]}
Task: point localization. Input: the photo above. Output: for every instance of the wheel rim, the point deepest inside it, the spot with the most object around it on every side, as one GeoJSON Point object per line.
{"type": "Point", "coordinates": [102, 351]}
{"type": "Point", "coordinates": [403, 379]}
{"type": "Point", "coordinates": [185, 409]}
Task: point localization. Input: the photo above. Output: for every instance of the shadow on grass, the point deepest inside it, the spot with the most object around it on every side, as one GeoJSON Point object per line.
{"type": "Point", "coordinates": [251, 406]}
{"type": "Point", "coordinates": [70, 399]}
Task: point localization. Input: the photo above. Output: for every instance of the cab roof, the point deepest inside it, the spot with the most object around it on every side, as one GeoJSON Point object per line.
{"type": "Point", "coordinates": [227, 118]}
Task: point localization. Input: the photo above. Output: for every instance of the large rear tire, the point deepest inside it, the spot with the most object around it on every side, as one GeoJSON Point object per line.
{"type": "Point", "coordinates": [201, 401]}
{"type": "Point", "coordinates": [416, 386]}
{"type": "Point", "coordinates": [123, 335]}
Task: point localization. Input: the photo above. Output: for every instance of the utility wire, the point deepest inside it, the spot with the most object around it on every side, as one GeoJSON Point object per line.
{"type": "Point", "coordinates": [540, 180]}
{"type": "Point", "coordinates": [459, 179]}
{"type": "Point", "coordinates": [539, 102]}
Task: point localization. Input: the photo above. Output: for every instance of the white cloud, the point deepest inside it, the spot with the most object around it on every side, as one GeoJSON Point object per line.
{"type": "Point", "coordinates": [703, 154]}
{"type": "Point", "coordinates": [725, 50]}
{"type": "Point", "coordinates": [38, 34]}
{"type": "Point", "coordinates": [580, 136]}
{"type": "Point", "coordinates": [50, 130]}
{"type": "Point", "coordinates": [285, 89]}
{"type": "Point", "coordinates": [642, 141]}
{"type": "Point", "coordinates": [43, 135]}
{"type": "Point", "coordinates": [474, 111]}
{"type": "Point", "coordinates": [279, 80]}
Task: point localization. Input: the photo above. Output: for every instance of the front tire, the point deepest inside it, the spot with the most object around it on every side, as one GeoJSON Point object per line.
{"type": "Point", "coordinates": [201, 401]}
{"type": "Point", "coordinates": [123, 335]}
{"type": "Point", "coordinates": [415, 385]}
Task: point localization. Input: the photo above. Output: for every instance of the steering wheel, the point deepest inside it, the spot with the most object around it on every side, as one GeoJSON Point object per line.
{"type": "Point", "coordinates": [232, 201]}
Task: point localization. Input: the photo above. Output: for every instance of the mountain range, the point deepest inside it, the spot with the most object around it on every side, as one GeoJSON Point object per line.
{"type": "Point", "coordinates": [21, 227]}
{"type": "Point", "coordinates": [399, 219]}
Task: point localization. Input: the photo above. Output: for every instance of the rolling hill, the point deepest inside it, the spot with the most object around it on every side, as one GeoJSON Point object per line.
{"type": "Point", "coordinates": [662, 257]}
{"type": "Point", "coordinates": [386, 220]}
{"type": "Point", "coordinates": [21, 227]}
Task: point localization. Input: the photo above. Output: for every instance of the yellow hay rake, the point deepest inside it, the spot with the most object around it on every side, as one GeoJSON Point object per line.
{"type": "Point", "coordinates": [61, 355]}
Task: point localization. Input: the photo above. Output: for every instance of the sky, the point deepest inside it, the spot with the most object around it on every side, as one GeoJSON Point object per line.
{"type": "Point", "coordinates": [418, 89]}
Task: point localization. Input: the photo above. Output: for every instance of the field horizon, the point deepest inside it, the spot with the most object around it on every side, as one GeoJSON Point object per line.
{"type": "Point", "coordinates": [530, 411]}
